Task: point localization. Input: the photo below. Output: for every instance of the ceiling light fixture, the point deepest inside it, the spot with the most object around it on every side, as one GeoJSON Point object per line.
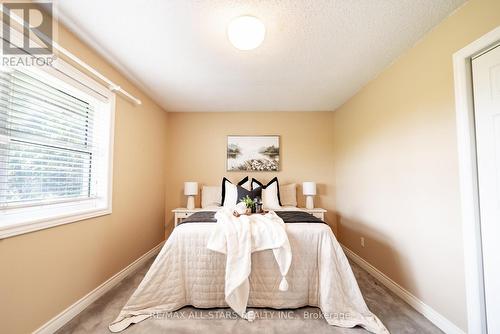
{"type": "Point", "coordinates": [246, 32]}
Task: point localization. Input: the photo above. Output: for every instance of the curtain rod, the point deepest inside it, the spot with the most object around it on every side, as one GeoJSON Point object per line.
{"type": "Point", "coordinates": [110, 84]}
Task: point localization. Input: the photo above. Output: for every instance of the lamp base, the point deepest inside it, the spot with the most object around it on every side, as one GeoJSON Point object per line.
{"type": "Point", "coordinates": [309, 202]}
{"type": "Point", "coordinates": [190, 203]}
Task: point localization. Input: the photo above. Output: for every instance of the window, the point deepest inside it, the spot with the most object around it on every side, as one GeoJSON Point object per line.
{"type": "Point", "coordinates": [55, 149]}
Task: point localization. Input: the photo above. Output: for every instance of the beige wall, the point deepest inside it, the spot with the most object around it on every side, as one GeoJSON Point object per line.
{"type": "Point", "coordinates": [396, 166]}
{"type": "Point", "coordinates": [197, 151]}
{"type": "Point", "coordinates": [44, 272]}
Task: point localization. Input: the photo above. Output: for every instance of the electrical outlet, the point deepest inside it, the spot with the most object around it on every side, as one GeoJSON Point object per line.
{"type": "Point", "coordinates": [362, 242]}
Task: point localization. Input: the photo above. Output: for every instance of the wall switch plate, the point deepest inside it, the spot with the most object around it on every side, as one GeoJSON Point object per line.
{"type": "Point", "coordinates": [362, 241]}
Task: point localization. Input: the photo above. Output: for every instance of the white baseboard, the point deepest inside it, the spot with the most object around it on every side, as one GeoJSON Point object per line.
{"type": "Point", "coordinates": [436, 318]}
{"type": "Point", "coordinates": [65, 316]}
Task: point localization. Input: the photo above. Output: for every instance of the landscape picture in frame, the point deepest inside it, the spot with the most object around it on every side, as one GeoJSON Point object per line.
{"type": "Point", "coordinates": [253, 153]}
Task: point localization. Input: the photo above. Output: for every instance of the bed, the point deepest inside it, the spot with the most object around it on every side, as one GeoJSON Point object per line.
{"type": "Point", "coordinates": [186, 273]}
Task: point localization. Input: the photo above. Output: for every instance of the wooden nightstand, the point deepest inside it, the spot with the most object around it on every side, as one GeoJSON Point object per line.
{"type": "Point", "coordinates": [316, 212]}
{"type": "Point", "coordinates": [183, 213]}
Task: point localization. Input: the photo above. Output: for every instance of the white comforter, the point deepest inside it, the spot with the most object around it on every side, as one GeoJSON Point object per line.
{"type": "Point", "coordinates": [238, 238]}
{"type": "Point", "coordinates": [186, 272]}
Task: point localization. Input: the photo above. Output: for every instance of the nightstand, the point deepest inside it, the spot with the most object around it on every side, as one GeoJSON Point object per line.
{"type": "Point", "coordinates": [316, 212]}
{"type": "Point", "coordinates": [183, 213]}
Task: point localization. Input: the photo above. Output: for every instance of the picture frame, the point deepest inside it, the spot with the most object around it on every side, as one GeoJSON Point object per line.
{"type": "Point", "coordinates": [253, 153]}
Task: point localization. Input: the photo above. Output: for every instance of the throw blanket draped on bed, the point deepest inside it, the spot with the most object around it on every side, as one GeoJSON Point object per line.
{"type": "Point", "coordinates": [238, 238]}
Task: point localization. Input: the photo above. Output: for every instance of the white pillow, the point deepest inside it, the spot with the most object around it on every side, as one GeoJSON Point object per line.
{"type": "Point", "coordinates": [231, 195]}
{"type": "Point", "coordinates": [288, 194]}
{"type": "Point", "coordinates": [210, 196]}
{"type": "Point", "coordinates": [270, 194]}
{"type": "Point", "coordinates": [230, 191]}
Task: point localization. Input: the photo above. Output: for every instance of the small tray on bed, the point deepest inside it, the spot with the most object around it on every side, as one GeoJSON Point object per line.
{"type": "Point", "coordinates": [236, 214]}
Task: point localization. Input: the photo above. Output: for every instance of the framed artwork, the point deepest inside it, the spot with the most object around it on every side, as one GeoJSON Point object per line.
{"type": "Point", "coordinates": [253, 153]}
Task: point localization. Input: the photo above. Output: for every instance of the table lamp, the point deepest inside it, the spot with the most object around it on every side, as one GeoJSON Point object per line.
{"type": "Point", "coordinates": [190, 190]}
{"type": "Point", "coordinates": [309, 190]}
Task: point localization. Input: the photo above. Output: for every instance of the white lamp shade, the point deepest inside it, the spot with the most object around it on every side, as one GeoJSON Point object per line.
{"type": "Point", "coordinates": [190, 188]}
{"type": "Point", "coordinates": [309, 188]}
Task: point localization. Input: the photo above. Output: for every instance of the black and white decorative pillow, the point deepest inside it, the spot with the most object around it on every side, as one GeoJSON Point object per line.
{"type": "Point", "coordinates": [270, 193]}
{"type": "Point", "coordinates": [230, 191]}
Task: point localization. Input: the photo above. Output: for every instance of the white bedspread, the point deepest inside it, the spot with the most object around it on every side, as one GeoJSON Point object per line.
{"type": "Point", "coordinates": [186, 272]}
{"type": "Point", "coordinates": [238, 238]}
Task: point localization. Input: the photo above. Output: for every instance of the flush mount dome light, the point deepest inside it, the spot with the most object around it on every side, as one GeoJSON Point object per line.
{"type": "Point", "coordinates": [246, 32]}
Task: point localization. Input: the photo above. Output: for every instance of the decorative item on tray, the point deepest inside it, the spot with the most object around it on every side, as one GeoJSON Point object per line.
{"type": "Point", "coordinates": [249, 206]}
{"type": "Point", "coordinates": [258, 205]}
{"type": "Point", "coordinates": [249, 203]}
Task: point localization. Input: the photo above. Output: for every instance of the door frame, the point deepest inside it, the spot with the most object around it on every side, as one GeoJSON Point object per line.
{"type": "Point", "coordinates": [469, 191]}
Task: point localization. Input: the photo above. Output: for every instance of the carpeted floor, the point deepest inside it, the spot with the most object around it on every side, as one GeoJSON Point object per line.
{"type": "Point", "coordinates": [398, 316]}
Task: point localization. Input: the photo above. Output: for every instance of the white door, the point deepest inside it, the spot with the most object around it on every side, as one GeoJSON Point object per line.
{"type": "Point", "coordinates": [486, 83]}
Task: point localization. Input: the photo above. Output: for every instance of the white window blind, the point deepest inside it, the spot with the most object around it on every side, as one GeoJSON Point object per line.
{"type": "Point", "coordinates": [46, 142]}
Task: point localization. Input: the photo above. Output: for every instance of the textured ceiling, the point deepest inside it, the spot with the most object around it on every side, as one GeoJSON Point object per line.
{"type": "Point", "coordinates": [317, 53]}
